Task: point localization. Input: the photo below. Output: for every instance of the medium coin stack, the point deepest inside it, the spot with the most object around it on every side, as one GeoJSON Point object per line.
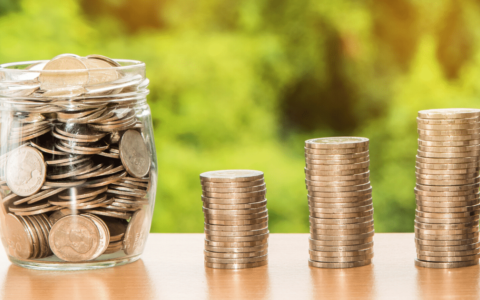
{"type": "Point", "coordinates": [74, 151]}
{"type": "Point", "coordinates": [447, 165]}
{"type": "Point", "coordinates": [340, 201]}
{"type": "Point", "coordinates": [236, 219]}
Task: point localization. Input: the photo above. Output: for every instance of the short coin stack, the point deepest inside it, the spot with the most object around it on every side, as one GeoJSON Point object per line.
{"type": "Point", "coordinates": [236, 219]}
{"type": "Point", "coordinates": [446, 222]}
{"type": "Point", "coordinates": [340, 201]}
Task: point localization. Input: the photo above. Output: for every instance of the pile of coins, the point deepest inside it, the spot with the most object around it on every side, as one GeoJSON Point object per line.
{"type": "Point", "coordinates": [447, 188]}
{"type": "Point", "coordinates": [74, 164]}
{"type": "Point", "coordinates": [236, 219]}
{"type": "Point", "coordinates": [340, 201]}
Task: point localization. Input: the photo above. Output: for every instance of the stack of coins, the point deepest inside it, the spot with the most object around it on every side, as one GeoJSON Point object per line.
{"type": "Point", "coordinates": [340, 201]}
{"type": "Point", "coordinates": [236, 219]}
{"type": "Point", "coordinates": [447, 165]}
{"type": "Point", "coordinates": [75, 147]}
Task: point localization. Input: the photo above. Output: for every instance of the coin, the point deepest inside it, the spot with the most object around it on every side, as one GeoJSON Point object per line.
{"type": "Point", "coordinates": [135, 234]}
{"type": "Point", "coordinates": [340, 259]}
{"type": "Point", "coordinates": [234, 255]}
{"type": "Point", "coordinates": [337, 142]}
{"type": "Point", "coordinates": [448, 253]}
{"type": "Point", "coordinates": [320, 247]}
{"type": "Point", "coordinates": [25, 171]}
{"type": "Point", "coordinates": [231, 176]}
{"type": "Point", "coordinates": [234, 190]}
{"type": "Point", "coordinates": [335, 151]}
{"type": "Point", "coordinates": [239, 184]}
{"type": "Point", "coordinates": [235, 266]}
{"type": "Point", "coordinates": [449, 113]}
{"type": "Point", "coordinates": [445, 265]}
{"type": "Point", "coordinates": [328, 265]}
{"type": "Point", "coordinates": [54, 80]}
{"type": "Point", "coordinates": [244, 260]}
{"type": "Point", "coordinates": [134, 154]}
{"type": "Point", "coordinates": [19, 240]}
{"type": "Point", "coordinates": [220, 249]}
{"type": "Point", "coordinates": [74, 238]}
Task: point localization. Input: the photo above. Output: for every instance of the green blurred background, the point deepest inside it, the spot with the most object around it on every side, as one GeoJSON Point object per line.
{"type": "Point", "coordinates": [242, 84]}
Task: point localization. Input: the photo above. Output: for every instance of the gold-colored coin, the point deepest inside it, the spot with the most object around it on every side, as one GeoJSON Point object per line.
{"type": "Point", "coordinates": [344, 265]}
{"type": "Point", "coordinates": [445, 265]}
{"type": "Point", "coordinates": [236, 266]}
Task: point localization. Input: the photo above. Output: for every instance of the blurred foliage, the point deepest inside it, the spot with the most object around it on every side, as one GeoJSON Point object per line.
{"type": "Point", "coordinates": [242, 84]}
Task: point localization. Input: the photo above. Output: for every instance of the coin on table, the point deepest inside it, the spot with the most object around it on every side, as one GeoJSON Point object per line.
{"type": "Point", "coordinates": [236, 233]}
{"type": "Point", "coordinates": [447, 258]}
{"type": "Point", "coordinates": [231, 176]}
{"type": "Point", "coordinates": [236, 239]}
{"type": "Point", "coordinates": [341, 232]}
{"type": "Point", "coordinates": [337, 142]}
{"type": "Point", "coordinates": [446, 121]}
{"type": "Point", "coordinates": [236, 266]}
{"type": "Point", "coordinates": [339, 243]}
{"type": "Point", "coordinates": [236, 228]}
{"type": "Point", "coordinates": [342, 227]}
{"type": "Point", "coordinates": [239, 184]}
{"type": "Point", "coordinates": [445, 265]}
{"type": "Point", "coordinates": [233, 190]}
{"type": "Point", "coordinates": [341, 151]}
{"type": "Point", "coordinates": [314, 220]}
{"type": "Point", "coordinates": [247, 249]}
{"type": "Point", "coordinates": [25, 171]}
{"type": "Point", "coordinates": [234, 255]}
{"type": "Point", "coordinates": [338, 189]}
{"type": "Point", "coordinates": [338, 265]}
{"type": "Point", "coordinates": [315, 247]}
{"type": "Point", "coordinates": [316, 160]}
{"type": "Point", "coordinates": [342, 253]}
{"type": "Point", "coordinates": [448, 253]}
{"type": "Point", "coordinates": [444, 226]}
{"type": "Point", "coordinates": [443, 243]}
{"type": "Point", "coordinates": [449, 113]}
{"type": "Point", "coordinates": [134, 154]}
{"type": "Point", "coordinates": [75, 238]}
{"type": "Point", "coordinates": [235, 260]}
{"type": "Point", "coordinates": [236, 206]}
{"type": "Point", "coordinates": [136, 232]}
{"type": "Point", "coordinates": [337, 183]}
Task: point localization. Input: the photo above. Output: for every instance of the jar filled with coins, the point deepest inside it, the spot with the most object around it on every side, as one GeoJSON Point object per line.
{"type": "Point", "coordinates": [77, 162]}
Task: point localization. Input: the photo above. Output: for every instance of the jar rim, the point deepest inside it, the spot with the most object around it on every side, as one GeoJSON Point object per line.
{"type": "Point", "coordinates": [126, 64]}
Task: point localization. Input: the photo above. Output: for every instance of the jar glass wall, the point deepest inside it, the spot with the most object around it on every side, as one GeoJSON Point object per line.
{"type": "Point", "coordinates": [78, 167]}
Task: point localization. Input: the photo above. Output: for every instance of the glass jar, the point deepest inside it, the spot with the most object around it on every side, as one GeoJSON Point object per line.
{"type": "Point", "coordinates": [78, 166]}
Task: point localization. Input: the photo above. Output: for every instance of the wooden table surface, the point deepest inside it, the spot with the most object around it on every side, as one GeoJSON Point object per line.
{"type": "Point", "coordinates": [172, 268]}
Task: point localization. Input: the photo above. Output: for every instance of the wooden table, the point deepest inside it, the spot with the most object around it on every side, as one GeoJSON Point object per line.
{"type": "Point", "coordinates": [172, 268]}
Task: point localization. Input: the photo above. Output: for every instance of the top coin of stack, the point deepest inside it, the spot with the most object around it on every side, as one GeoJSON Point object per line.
{"type": "Point", "coordinates": [340, 200]}
{"type": "Point", "coordinates": [446, 222]}
{"type": "Point", "coordinates": [236, 219]}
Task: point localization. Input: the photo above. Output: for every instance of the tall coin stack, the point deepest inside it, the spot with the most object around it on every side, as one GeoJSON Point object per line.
{"type": "Point", "coordinates": [340, 201]}
{"type": "Point", "coordinates": [446, 222]}
{"type": "Point", "coordinates": [236, 219]}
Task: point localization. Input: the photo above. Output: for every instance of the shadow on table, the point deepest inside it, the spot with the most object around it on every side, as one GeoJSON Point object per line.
{"type": "Point", "coordinates": [348, 283]}
{"type": "Point", "coordinates": [238, 284]}
{"type": "Point", "coordinates": [124, 282]}
{"type": "Point", "coordinates": [456, 283]}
